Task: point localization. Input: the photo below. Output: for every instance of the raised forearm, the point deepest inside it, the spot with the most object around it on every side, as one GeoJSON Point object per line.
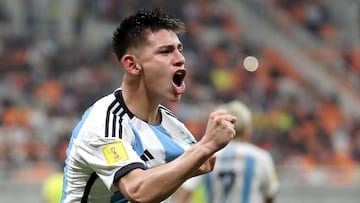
{"type": "Point", "coordinates": [156, 184]}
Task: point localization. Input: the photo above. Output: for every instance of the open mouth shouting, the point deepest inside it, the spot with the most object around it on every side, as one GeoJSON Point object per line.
{"type": "Point", "coordinates": [178, 81]}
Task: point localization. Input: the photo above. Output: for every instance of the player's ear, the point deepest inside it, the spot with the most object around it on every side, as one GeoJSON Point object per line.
{"type": "Point", "coordinates": [130, 64]}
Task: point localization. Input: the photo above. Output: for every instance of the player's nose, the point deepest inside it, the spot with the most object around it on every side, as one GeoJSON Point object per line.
{"type": "Point", "coordinates": [179, 58]}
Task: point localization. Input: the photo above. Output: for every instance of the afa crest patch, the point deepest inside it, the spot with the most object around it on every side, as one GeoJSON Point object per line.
{"type": "Point", "coordinates": [115, 152]}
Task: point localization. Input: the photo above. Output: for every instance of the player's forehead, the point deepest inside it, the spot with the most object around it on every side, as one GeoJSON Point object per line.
{"type": "Point", "coordinates": [163, 38]}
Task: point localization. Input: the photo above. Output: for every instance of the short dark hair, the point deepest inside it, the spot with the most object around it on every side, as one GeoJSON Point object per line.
{"type": "Point", "coordinates": [132, 30]}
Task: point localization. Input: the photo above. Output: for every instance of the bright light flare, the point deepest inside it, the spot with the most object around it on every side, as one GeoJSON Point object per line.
{"type": "Point", "coordinates": [251, 63]}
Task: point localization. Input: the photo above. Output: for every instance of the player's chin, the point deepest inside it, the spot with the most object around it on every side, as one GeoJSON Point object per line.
{"type": "Point", "coordinates": [175, 98]}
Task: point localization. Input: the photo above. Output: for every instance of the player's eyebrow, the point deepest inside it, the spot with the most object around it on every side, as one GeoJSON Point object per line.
{"type": "Point", "coordinates": [179, 46]}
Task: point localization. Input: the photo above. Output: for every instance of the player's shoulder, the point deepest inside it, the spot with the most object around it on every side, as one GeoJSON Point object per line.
{"type": "Point", "coordinates": [103, 112]}
{"type": "Point", "coordinates": [105, 101]}
{"type": "Point", "coordinates": [99, 108]}
{"type": "Point", "coordinates": [110, 104]}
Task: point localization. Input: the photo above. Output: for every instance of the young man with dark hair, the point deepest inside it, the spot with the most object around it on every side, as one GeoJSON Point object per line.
{"type": "Point", "coordinates": [128, 147]}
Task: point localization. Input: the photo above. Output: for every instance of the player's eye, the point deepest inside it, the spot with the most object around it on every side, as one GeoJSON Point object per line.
{"type": "Point", "coordinates": [180, 48]}
{"type": "Point", "coordinates": [165, 52]}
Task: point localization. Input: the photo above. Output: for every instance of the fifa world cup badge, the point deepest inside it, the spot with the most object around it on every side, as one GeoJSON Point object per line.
{"type": "Point", "coordinates": [115, 152]}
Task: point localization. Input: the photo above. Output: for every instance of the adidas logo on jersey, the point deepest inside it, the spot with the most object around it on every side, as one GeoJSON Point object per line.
{"type": "Point", "coordinates": [146, 156]}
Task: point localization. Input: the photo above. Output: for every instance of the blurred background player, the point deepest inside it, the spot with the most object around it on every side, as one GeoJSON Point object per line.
{"type": "Point", "coordinates": [243, 172]}
{"type": "Point", "coordinates": [52, 186]}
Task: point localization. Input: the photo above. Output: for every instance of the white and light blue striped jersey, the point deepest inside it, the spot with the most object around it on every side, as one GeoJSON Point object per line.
{"type": "Point", "coordinates": [243, 173]}
{"type": "Point", "coordinates": [110, 141]}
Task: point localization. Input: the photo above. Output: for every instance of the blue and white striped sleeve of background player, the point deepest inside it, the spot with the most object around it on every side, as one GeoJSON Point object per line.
{"type": "Point", "coordinates": [110, 141]}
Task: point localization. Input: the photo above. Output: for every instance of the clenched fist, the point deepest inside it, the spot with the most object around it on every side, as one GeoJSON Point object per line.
{"type": "Point", "coordinates": [219, 130]}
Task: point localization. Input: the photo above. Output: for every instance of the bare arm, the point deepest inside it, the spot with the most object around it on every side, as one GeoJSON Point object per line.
{"type": "Point", "coordinates": [156, 184]}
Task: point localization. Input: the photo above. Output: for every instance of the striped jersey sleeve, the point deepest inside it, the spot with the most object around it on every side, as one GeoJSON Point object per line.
{"type": "Point", "coordinates": [97, 147]}
{"type": "Point", "coordinates": [110, 141]}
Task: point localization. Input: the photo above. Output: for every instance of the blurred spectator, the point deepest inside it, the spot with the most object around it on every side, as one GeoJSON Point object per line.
{"type": "Point", "coordinates": [52, 186]}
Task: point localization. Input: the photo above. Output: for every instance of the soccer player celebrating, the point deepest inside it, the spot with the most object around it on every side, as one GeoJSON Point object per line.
{"type": "Point", "coordinates": [128, 147]}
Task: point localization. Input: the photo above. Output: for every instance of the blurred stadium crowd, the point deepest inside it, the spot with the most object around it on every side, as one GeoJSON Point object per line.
{"type": "Point", "coordinates": [48, 77]}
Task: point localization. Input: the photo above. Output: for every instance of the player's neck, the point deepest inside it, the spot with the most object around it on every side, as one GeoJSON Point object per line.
{"type": "Point", "coordinates": [141, 106]}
